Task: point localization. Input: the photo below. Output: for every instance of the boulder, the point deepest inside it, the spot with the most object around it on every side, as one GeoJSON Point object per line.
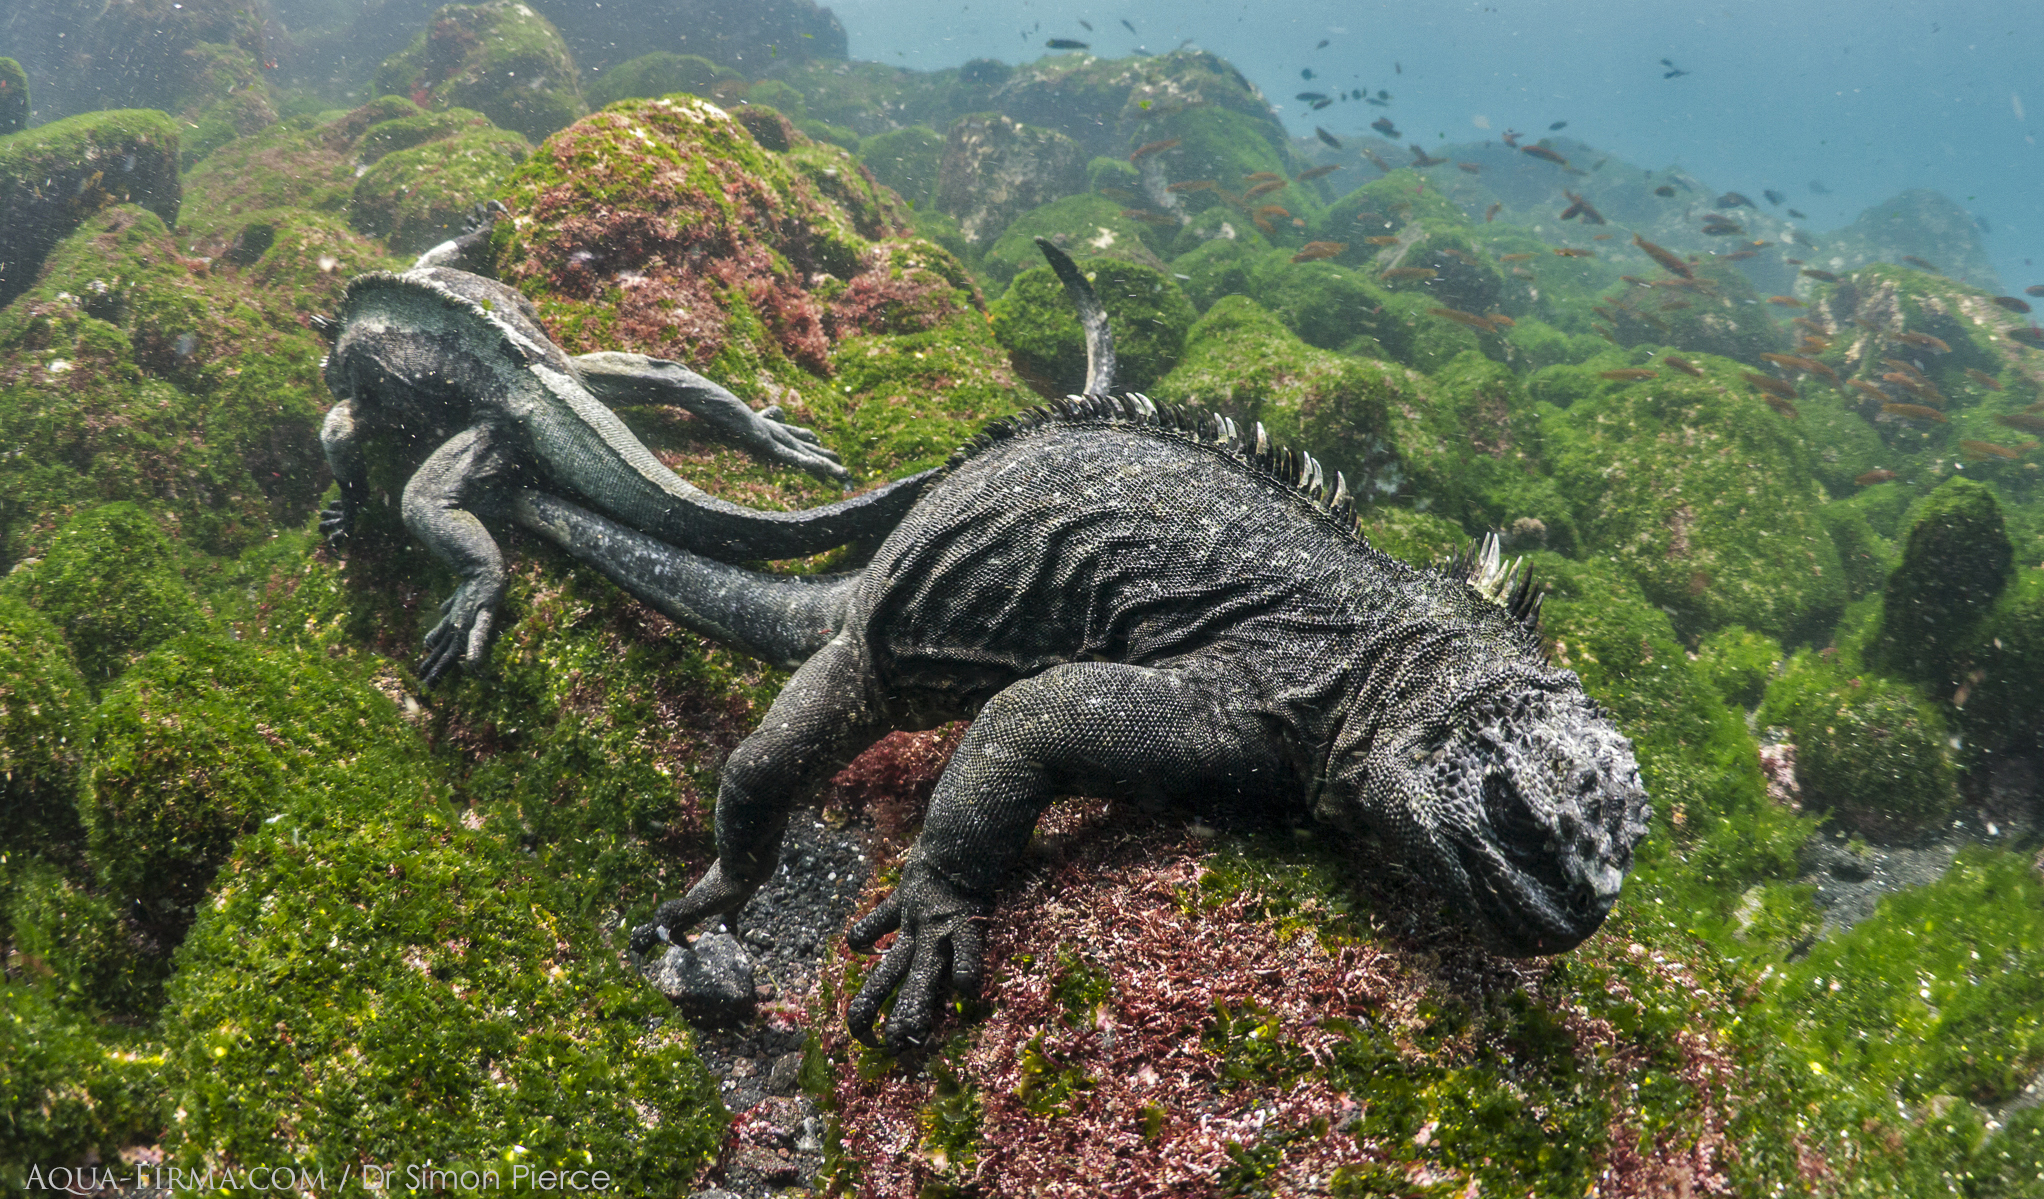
{"type": "Point", "coordinates": [43, 705]}
{"type": "Point", "coordinates": [416, 198]}
{"type": "Point", "coordinates": [500, 58]}
{"type": "Point", "coordinates": [141, 54]}
{"type": "Point", "coordinates": [661, 73]}
{"type": "Point", "coordinates": [749, 35]}
{"type": "Point", "coordinates": [1955, 562]}
{"type": "Point", "coordinates": [1084, 225]}
{"type": "Point", "coordinates": [55, 176]}
{"type": "Point", "coordinates": [1034, 320]}
{"type": "Point", "coordinates": [14, 107]}
{"type": "Point", "coordinates": [1918, 223]}
{"type": "Point", "coordinates": [995, 169]}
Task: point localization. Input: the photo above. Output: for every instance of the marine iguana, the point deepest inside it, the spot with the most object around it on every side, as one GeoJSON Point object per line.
{"type": "Point", "coordinates": [1132, 601]}
{"type": "Point", "coordinates": [458, 360]}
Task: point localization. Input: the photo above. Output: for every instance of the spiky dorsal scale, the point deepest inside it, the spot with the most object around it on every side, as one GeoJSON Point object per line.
{"type": "Point", "coordinates": [381, 288]}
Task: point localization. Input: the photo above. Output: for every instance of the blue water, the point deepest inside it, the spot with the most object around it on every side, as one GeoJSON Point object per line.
{"type": "Point", "coordinates": [1866, 99]}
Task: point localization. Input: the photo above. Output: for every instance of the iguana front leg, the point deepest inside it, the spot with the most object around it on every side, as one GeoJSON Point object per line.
{"type": "Point", "coordinates": [619, 379]}
{"type": "Point", "coordinates": [342, 442]}
{"type": "Point", "coordinates": [1084, 728]}
{"type": "Point", "coordinates": [468, 468]}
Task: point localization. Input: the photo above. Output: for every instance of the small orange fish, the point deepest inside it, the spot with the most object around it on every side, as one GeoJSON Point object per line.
{"type": "Point", "coordinates": [1542, 152]}
{"type": "Point", "coordinates": [1772, 385]}
{"type": "Point", "coordinates": [1606, 334]}
{"type": "Point", "coordinates": [1144, 151]}
{"type": "Point", "coordinates": [1669, 262]}
{"type": "Point", "coordinates": [1919, 263]}
{"type": "Point", "coordinates": [1473, 168]}
{"type": "Point", "coordinates": [1681, 364]}
{"type": "Point", "coordinates": [1272, 210]}
{"type": "Point", "coordinates": [1193, 185]}
{"type": "Point", "coordinates": [1149, 216]}
{"type": "Point", "coordinates": [1629, 375]}
{"type": "Point", "coordinates": [1869, 390]}
{"type": "Point", "coordinates": [1876, 476]}
{"type": "Point", "coordinates": [1820, 276]}
{"type": "Point", "coordinates": [1420, 158]}
{"type": "Point", "coordinates": [1381, 240]}
{"type": "Point", "coordinates": [1737, 255]}
{"type": "Point", "coordinates": [1807, 325]}
{"type": "Point", "coordinates": [2012, 304]}
{"type": "Point", "coordinates": [1915, 412]}
{"type": "Point", "coordinates": [1923, 341]}
{"type": "Point", "coordinates": [1983, 450]}
{"type": "Point", "coordinates": [1376, 160]}
{"type": "Point", "coordinates": [1814, 345]}
{"type": "Point", "coordinates": [1785, 301]}
{"type": "Point", "coordinates": [1316, 250]}
{"type": "Point", "coordinates": [1600, 237]}
{"type": "Point", "coordinates": [1579, 207]}
{"type": "Point", "coordinates": [1907, 368]}
{"type": "Point", "coordinates": [1499, 319]}
{"type": "Point", "coordinates": [1263, 223]}
{"type": "Point", "coordinates": [1410, 272]}
{"type": "Point", "coordinates": [1574, 252]}
{"type": "Point", "coordinates": [1265, 188]}
{"type": "Point", "coordinates": [1316, 172]}
{"type": "Point", "coordinates": [1674, 305]}
{"type": "Point", "coordinates": [1522, 272]}
{"type": "Point", "coordinates": [1517, 257]}
{"type": "Point", "coordinates": [1984, 379]}
{"type": "Point", "coordinates": [1781, 405]}
{"type": "Point", "coordinates": [2028, 422]}
{"type": "Point", "coordinates": [1465, 318]}
{"type": "Point", "coordinates": [1263, 177]}
{"type": "Point", "coordinates": [1490, 214]}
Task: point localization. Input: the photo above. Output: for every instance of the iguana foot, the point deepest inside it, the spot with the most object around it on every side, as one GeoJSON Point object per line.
{"type": "Point", "coordinates": [793, 445]}
{"type": "Point", "coordinates": [939, 936]}
{"type": "Point", "coordinates": [712, 895]}
{"type": "Point", "coordinates": [463, 634]}
{"type": "Point", "coordinates": [336, 522]}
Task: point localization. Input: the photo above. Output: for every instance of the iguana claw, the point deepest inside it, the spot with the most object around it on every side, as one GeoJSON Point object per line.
{"type": "Point", "coordinates": [336, 522]}
{"type": "Point", "coordinates": [462, 636]}
{"type": "Point", "coordinates": [939, 938]}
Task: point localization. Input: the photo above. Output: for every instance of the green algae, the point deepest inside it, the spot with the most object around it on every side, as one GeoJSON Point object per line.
{"type": "Point", "coordinates": [1955, 561]}
{"type": "Point", "coordinates": [417, 198]}
{"type": "Point", "coordinates": [1034, 320]}
{"type": "Point", "coordinates": [57, 176]}
{"type": "Point", "coordinates": [70, 1086]}
{"type": "Point", "coordinates": [499, 58]}
{"type": "Point", "coordinates": [660, 73]}
{"type": "Point", "coordinates": [1738, 663]}
{"type": "Point", "coordinates": [906, 160]}
{"type": "Point", "coordinates": [1082, 226]}
{"type": "Point", "coordinates": [14, 105]}
{"type": "Point", "coordinates": [1869, 751]}
{"type": "Point", "coordinates": [43, 703]}
{"type": "Point", "coordinates": [405, 132]}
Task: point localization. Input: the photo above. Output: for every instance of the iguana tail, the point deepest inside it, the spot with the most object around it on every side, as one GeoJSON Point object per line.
{"type": "Point", "coordinates": [781, 619]}
{"type": "Point", "coordinates": [1092, 319]}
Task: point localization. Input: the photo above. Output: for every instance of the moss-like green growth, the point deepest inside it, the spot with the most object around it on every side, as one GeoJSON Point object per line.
{"type": "Point", "coordinates": [43, 703]}
{"type": "Point", "coordinates": [69, 1087]}
{"type": "Point", "coordinates": [417, 198]}
{"type": "Point", "coordinates": [1119, 173]}
{"type": "Point", "coordinates": [906, 160]}
{"type": "Point", "coordinates": [54, 177]}
{"type": "Point", "coordinates": [1473, 451]}
{"type": "Point", "coordinates": [1536, 344]}
{"type": "Point", "coordinates": [1701, 490]}
{"type": "Point", "coordinates": [1723, 315]}
{"type": "Point", "coordinates": [402, 133]}
{"type": "Point", "coordinates": [1419, 538]}
{"type": "Point", "coordinates": [422, 992]}
{"type": "Point", "coordinates": [952, 379]}
{"type": "Point", "coordinates": [500, 58]}
{"type": "Point", "coordinates": [1331, 306]}
{"type": "Point", "coordinates": [14, 107]}
{"type": "Point", "coordinates": [1082, 225]}
{"type": "Point", "coordinates": [1955, 561]}
{"type": "Point", "coordinates": [110, 580]}
{"type": "Point", "coordinates": [1149, 316]}
{"type": "Point", "coordinates": [660, 73]}
{"type": "Point", "coordinates": [75, 946]}
{"type": "Point", "coordinates": [1738, 663]}
{"type": "Point", "coordinates": [2000, 703]}
{"type": "Point", "coordinates": [223, 96]}
{"type": "Point", "coordinates": [1866, 556]}
{"type": "Point", "coordinates": [1219, 266]}
{"type": "Point", "coordinates": [205, 738]}
{"type": "Point", "coordinates": [1870, 751]}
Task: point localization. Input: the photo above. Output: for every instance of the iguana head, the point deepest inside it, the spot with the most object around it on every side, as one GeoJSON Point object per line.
{"type": "Point", "coordinates": [1522, 809]}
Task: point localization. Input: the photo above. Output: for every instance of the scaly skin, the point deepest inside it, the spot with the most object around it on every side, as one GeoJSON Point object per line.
{"type": "Point", "coordinates": [1130, 602]}
{"type": "Point", "coordinates": [459, 361]}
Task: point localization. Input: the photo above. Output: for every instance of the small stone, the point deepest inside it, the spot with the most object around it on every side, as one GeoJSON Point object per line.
{"type": "Point", "coordinates": [770, 1166]}
{"type": "Point", "coordinates": [709, 982]}
{"type": "Point", "coordinates": [785, 1075]}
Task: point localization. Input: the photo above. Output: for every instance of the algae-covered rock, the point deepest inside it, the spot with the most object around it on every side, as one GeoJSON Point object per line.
{"type": "Point", "coordinates": [1738, 663]}
{"type": "Point", "coordinates": [995, 169]}
{"type": "Point", "coordinates": [140, 54]}
{"type": "Point", "coordinates": [2000, 700]}
{"type": "Point", "coordinates": [1085, 226]}
{"type": "Point", "coordinates": [109, 579]}
{"type": "Point", "coordinates": [661, 73]}
{"type": "Point", "coordinates": [1918, 223]}
{"type": "Point", "coordinates": [414, 129]}
{"type": "Point", "coordinates": [907, 160]}
{"type": "Point", "coordinates": [425, 991]}
{"type": "Point", "coordinates": [1723, 316]}
{"type": "Point", "coordinates": [52, 178]}
{"type": "Point", "coordinates": [1955, 561]}
{"type": "Point", "coordinates": [43, 703]}
{"type": "Point", "coordinates": [1220, 266]}
{"type": "Point", "coordinates": [1112, 105]}
{"type": "Point", "coordinates": [1702, 491]}
{"type": "Point", "coordinates": [417, 198]}
{"type": "Point", "coordinates": [1472, 449]}
{"type": "Point", "coordinates": [1869, 750]}
{"type": "Point", "coordinates": [1149, 316]}
{"type": "Point", "coordinates": [500, 58]}
{"type": "Point", "coordinates": [70, 1087]}
{"type": "Point", "coordinates": [14, 107]}
{"type": "Point", "coordinates": [749, 34]}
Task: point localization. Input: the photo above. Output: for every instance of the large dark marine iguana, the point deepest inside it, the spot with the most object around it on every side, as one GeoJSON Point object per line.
{"type": "Point", "coordinates": [1132, 601]}
{"type": "Point", "coordinates": [448, 357]}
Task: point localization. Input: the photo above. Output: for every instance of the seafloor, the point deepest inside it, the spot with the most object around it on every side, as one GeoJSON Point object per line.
{"type": "Point", "coordinates": [267, 903]}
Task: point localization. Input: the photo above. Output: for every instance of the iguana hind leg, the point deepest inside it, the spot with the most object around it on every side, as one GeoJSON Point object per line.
{"type": "Point", "coordinates": [619, 378]}
{"type": "Point", "coordinates": [823, 719]}
{"type": "Point", "coordinates": [1083, 728]}
{"type": "Point", "coordinates": [469, 470]}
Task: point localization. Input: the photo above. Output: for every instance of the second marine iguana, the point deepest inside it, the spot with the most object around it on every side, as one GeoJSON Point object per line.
{"type": "Point", "coordinates": [1131, 601]}
{"type": "Point", "coordinates": [460, 362]}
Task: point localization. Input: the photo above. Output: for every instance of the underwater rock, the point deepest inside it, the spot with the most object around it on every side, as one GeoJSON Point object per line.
{"type": "Point", "coordinates": [1738, 663]}
{"type": "Point", "coordinates": [1702, 491]}
{"type": "Point", "coordinates": [907, 160]}
{"type": "Point", "coordinates": [416, 198]}
{"type": "Point", "coordinates": [1870, 751]}
{"type": "Point", "coordinates": [995, 169]}
{"type": "Point", "coordinates": [43, 704]}
{"type": "Point", "coordinates": [709, 981]}
{"type": "Point", "coordinates": [661, 73]}
{"type": "Point", "coordinates": [1955, 562]}
{"type": "Point", "coordinates": [1112, 105]}
{"type": "Point", "coordinates": [1726, 317]}
{"type": "Point", "coordinates": [500, 58]}
{"type": "Point", "coordinates": [1145, 309]}
{"type": "Point", "coordinates": [1082, 225]}
{"type": "Point", "coordinates": [55, 176]}
{"type": "Point", "coordinates": [14, 107]}
{"type": "Point", "coordinates": [750, 35]}
{"type": "Point", "coordinates": [140, 54]}
{"type": "Point", "coordinates": [1999, 701]}
{"type": "Point", "coordinates": [1918, 223]}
